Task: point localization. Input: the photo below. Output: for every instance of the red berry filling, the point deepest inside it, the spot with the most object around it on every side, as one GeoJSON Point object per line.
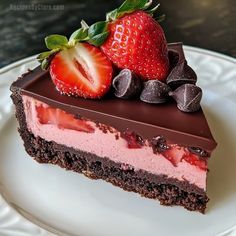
{"type": "Point", "coordinates": [159, 144]}
{"type": "Point", "coordinates": [63, 120]}
{"type": "Point", "coordinates": [175, 155]}
{"type": "Point", "coordinates": [133, 140]}
{"type": "Point", "coordinates": [195, 160]}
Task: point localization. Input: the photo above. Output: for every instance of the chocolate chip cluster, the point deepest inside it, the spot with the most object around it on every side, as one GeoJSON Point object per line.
{"type": "Point", "coordinates": [180, 85]}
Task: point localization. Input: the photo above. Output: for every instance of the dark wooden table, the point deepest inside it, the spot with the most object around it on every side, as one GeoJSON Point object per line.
{"type": "Point", "coordinates": [202, 23]}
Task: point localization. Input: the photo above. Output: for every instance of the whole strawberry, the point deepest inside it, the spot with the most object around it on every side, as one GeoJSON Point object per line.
{"type": "Point", "coordinates": [137, 42]}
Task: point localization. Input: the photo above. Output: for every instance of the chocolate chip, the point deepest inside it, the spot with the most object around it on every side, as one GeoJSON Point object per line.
{"type": "Point", "coordinates": [127, 84]}
{"type": "Point", "coordinates": [188, 97]}
{"type": "Point", "coordinates": [159, 144]}
{"type": "Point", "coordinates": [155, 92]}
{"type": "Point", "coordinates": [181, 74]}
{"type": "Point", "coordinates": [175, 53]}
{"type": "Point", "coordinates": [173, 58]}
{"type": "Point", "coordinates": [198, 151]}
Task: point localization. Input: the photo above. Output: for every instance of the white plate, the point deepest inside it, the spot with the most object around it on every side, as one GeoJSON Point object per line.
{"type": "Point", "coordinates": [67, 203]}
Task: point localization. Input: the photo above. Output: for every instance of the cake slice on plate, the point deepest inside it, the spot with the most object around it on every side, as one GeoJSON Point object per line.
{"type": "Point", "coordinates": [104, 105]}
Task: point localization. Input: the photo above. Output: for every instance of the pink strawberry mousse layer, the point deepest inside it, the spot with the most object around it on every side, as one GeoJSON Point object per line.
{"type": "Point", "coordinates": [107, 145]}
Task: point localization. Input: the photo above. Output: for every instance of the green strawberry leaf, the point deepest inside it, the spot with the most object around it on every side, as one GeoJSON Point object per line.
{"type": "Point", "coordinates": [153, 10]}
{"type": "Point", "coordinates": [47, 54]}
{"type": "Point", "coordinates": [79, 35]}
{"type": "Point", "coordinates": [99, 39]}
{"type": "Point", "coordinates": [148, 4]}
{"type": "Point", "coordinates": [112, 15]}
{"type": "Point", "coordinates": [55, 41]}
{"type": "Point", "coordinates": [45, 64]}
{"type": "Point", "coordinates": [97, 28]}
{"type": "Point", "coordinates": [43, 55]}
{"type": "Point", "coordinates": [132, 5]}
{"type": "Point", "coordinates": [84, 25]}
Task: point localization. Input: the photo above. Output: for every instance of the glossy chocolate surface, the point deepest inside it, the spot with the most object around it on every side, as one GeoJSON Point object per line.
{"type": "Point", "coordinates": [148, 120]}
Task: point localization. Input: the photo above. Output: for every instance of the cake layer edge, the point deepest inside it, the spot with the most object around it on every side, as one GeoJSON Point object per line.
{"type": "Point", "coordinates": [168, 191]}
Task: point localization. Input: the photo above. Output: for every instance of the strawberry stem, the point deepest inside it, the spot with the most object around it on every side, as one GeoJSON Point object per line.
{"type": "Point", "coordinates": [84, 25]}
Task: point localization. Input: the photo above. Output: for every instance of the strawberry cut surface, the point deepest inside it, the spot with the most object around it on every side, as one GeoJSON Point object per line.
{"type": "Point", "coordinates": [82, 70]}
{"type": "Point", "coordinates": [62, 119]}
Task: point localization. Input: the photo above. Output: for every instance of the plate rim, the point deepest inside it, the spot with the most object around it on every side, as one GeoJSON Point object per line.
{"type": "Point", "coordinates": [29, 59]}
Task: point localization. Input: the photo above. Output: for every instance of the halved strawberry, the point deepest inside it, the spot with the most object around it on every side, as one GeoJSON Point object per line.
{"type": "Point", "coordinates": [82, 70]}
{"type": "Point", "coordinates": [64, 120]}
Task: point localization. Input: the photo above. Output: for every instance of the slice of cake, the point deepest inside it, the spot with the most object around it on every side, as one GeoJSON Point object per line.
{"type": "Point", "coordinates": [121, 125]}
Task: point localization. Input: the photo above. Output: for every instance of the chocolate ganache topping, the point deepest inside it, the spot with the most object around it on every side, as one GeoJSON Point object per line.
{"type": "Point", "coordinates": [146, 120]}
